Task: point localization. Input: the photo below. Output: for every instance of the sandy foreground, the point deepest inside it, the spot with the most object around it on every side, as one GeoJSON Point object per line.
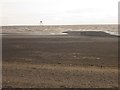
{"type": "Point", "coordinates": [59, 61]}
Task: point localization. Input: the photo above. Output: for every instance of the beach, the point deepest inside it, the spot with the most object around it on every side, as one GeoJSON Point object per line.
{"type": "Point", "coordinates": [60, 61]}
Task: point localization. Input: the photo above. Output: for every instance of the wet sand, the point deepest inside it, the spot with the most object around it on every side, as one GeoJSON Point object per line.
{"type": "Point", "coordinates": [59, 61]}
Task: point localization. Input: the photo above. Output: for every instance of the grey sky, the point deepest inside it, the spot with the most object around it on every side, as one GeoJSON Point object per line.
{"type": "Point", "coordinates": [20, 12]}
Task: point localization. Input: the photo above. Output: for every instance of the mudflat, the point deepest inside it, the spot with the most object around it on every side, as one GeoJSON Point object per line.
{"type": "Point", "coordinates": [60, 61]}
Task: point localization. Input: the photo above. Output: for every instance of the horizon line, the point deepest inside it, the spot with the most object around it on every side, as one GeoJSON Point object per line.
{"type": "Point", "coordinates": [58, 24]}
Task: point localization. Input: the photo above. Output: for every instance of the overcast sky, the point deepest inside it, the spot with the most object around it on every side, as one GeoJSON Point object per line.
{"type": "Point", "coordinates": [25, 12]}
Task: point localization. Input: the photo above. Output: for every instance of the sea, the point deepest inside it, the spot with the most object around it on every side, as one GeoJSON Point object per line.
{"type": "Point", "coordinates": [111, 29]}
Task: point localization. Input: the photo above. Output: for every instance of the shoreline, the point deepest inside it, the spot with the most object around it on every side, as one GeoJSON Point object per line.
{"type": "Point", "coordinates": [59, 61]}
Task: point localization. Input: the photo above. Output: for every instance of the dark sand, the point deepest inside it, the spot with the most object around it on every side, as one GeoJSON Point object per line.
{"type": "Point", "coordinates": [59, 61]}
